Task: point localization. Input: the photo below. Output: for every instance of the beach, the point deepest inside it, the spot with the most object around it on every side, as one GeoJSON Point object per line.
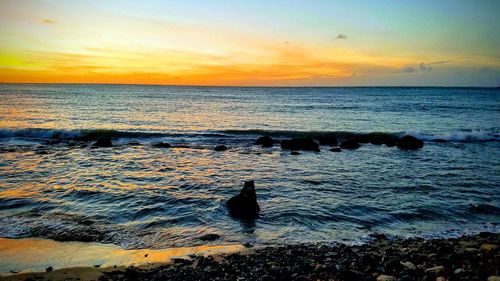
{"type": "Point", "coordinates": [465, 258]}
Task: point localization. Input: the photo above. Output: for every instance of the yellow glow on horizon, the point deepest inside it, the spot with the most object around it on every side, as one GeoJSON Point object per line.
{"type": "Point", "coordinates": [95, 46]}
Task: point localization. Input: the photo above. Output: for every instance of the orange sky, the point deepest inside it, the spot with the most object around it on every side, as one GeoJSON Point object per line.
{"type": "Point", "coordinates": [167, 43]}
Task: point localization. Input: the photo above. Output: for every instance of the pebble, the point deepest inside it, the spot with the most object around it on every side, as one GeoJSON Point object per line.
{"type": "Point", "coordinates": [386, 278]}
{"type": "Point", "coordinates": [459, 270]}
{"type": "Point", "coordinates": [408, 265]}
{"type": "Point", "coordinates": [486, 248]}
{"type": "Point", "coordinates": [436, 269]}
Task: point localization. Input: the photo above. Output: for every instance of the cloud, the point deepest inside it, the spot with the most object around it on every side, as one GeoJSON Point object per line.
{"type": "Point", "coordinates": [341, 37]}
{"type": "Point", "coordinates": [425, 67]}
{"type": "Point", "coordinates": [48, 21]}
{"type": "Point", "coordinates": [409, 69]}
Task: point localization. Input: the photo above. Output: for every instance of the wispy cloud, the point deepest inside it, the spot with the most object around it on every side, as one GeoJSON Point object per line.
{"type": "Point", "coordinates": [49, 21]}
{"type": "Point", "coordinates": [424, 67]}
{"type": "Point", "coordinates": [341, 37]}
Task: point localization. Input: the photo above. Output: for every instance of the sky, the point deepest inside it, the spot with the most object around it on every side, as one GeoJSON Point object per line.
{"type": "Point", "coordinates": [252, 43]}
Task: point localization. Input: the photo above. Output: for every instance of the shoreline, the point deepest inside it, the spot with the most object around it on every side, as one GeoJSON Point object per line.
{"type": "Point", "coordinates": [475, 257]}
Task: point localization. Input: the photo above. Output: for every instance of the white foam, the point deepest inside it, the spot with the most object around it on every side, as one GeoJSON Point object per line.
{"type": "Point", "coordinates": [462, 136]}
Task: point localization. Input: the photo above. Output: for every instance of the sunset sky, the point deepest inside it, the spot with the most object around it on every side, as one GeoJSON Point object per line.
{"type": "Point", "coordinates": [271, 43]}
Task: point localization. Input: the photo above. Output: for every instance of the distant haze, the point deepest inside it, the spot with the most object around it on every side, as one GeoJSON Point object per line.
{"type": "Point", "coordinates": [268, 43]}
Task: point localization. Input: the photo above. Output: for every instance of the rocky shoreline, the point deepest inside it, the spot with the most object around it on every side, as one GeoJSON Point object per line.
{"type": "Point", "coordinates": [466, 258]}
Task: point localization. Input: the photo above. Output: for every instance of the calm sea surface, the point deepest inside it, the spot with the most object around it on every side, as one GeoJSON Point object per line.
{"type": "Point", "coordinates": [54, 185]}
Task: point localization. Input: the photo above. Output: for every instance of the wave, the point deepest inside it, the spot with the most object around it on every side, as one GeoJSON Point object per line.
{"type": "Point", "coordinates": [85, 134]}
{"type": "Point", "coordinates": [451, 136]}
{"type": "Point", "coordinates": [94, 134]}
{"type": "Point", "coordinates": [459, 136]}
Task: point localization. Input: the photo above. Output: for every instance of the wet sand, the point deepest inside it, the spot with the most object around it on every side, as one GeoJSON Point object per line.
{"type": "Point", "coordinates": [466, 258]}
{"type": "Point", "coordinates": [85, 260]}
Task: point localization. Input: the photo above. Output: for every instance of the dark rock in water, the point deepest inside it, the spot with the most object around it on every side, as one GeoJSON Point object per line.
{"type": "Point", "coordinates": [244, 205]}
{"type": "Point", "coordinates": [439, 140]}
{"type": "Point", "coordinates": [209, 237]}
{"type": "Point", "coordinates": [300, 144]}
{"type": "Point", "coordinates": [162, 145]}
{"type": "Point", "coordinates": [294, 153]}
{"type": "Point", "coordinates": [220, 148]}
{"type": "Point", "coordinates": [328, 140]}
{"type": "Point", "coordinates": [336, 149]}
{"type": "Point", "coordinates": [410, 142]}
{"type": "Point", "coordinates": [349, 144]}
{"type": "Point", "coordinates": [379, 139]}
{"type": "Point", "coordinates": [361, 138]}
{"type": "Point", "coordinates": [134, 143]}
{"type": "Point", "coordinates": [103, 142]}
{"type": "Point", "coordinates": [265, 141]}
{"type": "Point", "coordinates": [49, 269]}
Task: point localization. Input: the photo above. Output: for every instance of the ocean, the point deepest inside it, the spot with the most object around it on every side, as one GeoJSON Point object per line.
{"type": "Point", "coordinates": [54, 184]}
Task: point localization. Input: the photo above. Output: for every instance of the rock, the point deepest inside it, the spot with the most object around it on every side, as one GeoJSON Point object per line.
{"type": "Point", "coordinates": [103, 142]}
{"type": "Point", "coordinates": [459, 271]}
{"type": "Point", "coordinates": [134, 143]}
{"type": "Point", "coordinates": [182, 261]}
{"type": "Point", "coordinates": [300, 144]}
{"type": "Point", "coordinates": [162, 145]}
{"type": "Point", "coordinates": [408, 265]}
{"type": "Point", "coordinates": [349, 144]}
{"type": "Point", "coordinates": [494, 278]}
{"type": "Point", "coordinates": [441, 278]}
{"type": "Point", "coordinates": [439, 140]}
{"type": "Point", "coordinates": [220, 148]}
{"type": "Point", "coordinates": [294, 153]}
{"type": "Point", "coordinates": [209, 237]}
{"type": "Point", "coordinates": [435, 270]}
{"type": "Point", "coordinates": [265, 141]}
{"type": "Point", "coordinates": [410, 142]}
{"type": "Point", "coordinates": [386, 278]}
{"type": "Point", "coordinates": [379, 139]}
{"type": "Point", "coordinates": [244, 205]}
{"type": "Point", "coordinates": [335, 149]}
{"type": "Point", "coordinates": [49, 269]}
{"type": "Point", "coordinates": [328, 140]}
{"type": "Point", "coordinates": [486, 248]}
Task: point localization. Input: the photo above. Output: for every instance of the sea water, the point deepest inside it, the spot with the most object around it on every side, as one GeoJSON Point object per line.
{"type": "Point", "coordinates": [54, 184]}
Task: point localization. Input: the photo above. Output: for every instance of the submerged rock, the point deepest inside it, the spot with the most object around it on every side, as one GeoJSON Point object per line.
{"type": "Point", "coordinates": [162, 145]}
{"type": "Point", "coordinates": [220, 148]}
{"type": "Point", "coordinates": [300, 144]}
{"type": "Point", "coordinates": [294, 153]}
{"type": "Point", "coordinates": [244, 205]}
{"type": "Point", "coordinates": [336, 149]}
{"type": "Point", "coordinates": [410, 142]}
{"type": "Point", "coordinates": [265, 141]}
{"type": "Point", "coordinates": [103, 142]}
{"type": "Point", "coordinates": [209, 237]}
{"type": "Point", "coordinates": [349, 144]}
{"type": "Point", "coordinates": [380, 138]}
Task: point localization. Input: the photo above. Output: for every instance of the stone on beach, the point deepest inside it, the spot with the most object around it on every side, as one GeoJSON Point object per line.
{"type": "Point", "coordinates": [300, 144]}
{"type": "Point", "coordinates": [386, 278]}
{"type": "Point", "coordinates": [265, 141]}
{"type": "Point", "coordinates": [410, 142]}
{"type": "Point", "coordinates": [244, 205]}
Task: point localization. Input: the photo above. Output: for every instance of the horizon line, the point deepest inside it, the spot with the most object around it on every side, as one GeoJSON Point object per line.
{"type": "Point", "coordinates": [238, 86]}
